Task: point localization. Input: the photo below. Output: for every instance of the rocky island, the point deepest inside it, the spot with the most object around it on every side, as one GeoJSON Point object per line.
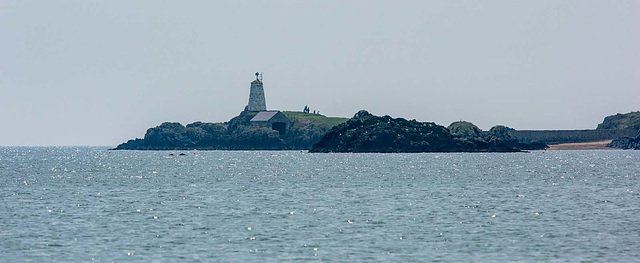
{"type": "Point", "coordinates": [257, 128]}
{"type": "Point", "coordinates": [368, 133]}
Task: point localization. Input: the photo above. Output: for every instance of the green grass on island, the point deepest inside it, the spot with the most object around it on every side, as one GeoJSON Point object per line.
{"type": "Point", "coordinates": [317, 119]}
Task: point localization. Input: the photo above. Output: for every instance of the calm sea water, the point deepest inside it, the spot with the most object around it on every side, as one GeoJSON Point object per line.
{"type": "Point", "coordinates": [88, 203]}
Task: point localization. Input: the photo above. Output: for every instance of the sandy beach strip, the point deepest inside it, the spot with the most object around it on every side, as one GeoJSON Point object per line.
{"type": "Point", "coordinates": [601, 145]}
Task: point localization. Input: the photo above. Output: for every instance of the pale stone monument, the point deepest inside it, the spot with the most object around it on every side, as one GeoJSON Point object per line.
{"type": "Point", "coordinates": [256, 95]}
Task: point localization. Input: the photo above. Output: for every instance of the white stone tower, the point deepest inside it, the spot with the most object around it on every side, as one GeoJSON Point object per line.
{"type": "Point", "coordinates": [256, 95]}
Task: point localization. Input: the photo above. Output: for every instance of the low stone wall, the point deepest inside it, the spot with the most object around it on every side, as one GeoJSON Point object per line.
{"type": "Point", "coordinates": [570, 136]}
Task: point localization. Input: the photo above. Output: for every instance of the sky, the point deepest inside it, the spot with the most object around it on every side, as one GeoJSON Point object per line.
{"type": "Point", "coordinates": [102, 72]}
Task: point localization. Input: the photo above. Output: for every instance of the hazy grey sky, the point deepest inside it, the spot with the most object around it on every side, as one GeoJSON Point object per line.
{"type": "Point", "coordinates": [101, 72]}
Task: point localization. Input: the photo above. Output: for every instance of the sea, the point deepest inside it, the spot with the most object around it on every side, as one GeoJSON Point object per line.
{"type": "Point", "coordinates": [92, 204]}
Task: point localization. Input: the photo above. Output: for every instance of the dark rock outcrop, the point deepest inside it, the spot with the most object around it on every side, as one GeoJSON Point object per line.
{"type": "Point", "coordinates": [498, 138]}
{"type": "Point", "coordinates": [626, 143]}
{"type": "Point", "coordinates": [464, 129]}
{"type": "Point", "coordinates": [368, 133]}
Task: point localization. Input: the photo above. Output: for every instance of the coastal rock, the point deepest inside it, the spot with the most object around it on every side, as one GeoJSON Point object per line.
{"type": "Point", "coordinates": [168, 135]}
{"type": "Point", "coordinates": [626, 143]}
{"type": "Point", "coordinates": [362, 114]}
{"type": "Point", "coordinates": [368, 133]}
{"type": "Point", "coordinates": [465, 129]}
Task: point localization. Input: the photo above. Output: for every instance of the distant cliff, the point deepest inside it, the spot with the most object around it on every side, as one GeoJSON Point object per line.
{"type": "Point", "coordinates": [236, 134]}
{"type": "Point", "coordinates": [619, 121]}
{"type": "Point", "coordinates": [368, 133]}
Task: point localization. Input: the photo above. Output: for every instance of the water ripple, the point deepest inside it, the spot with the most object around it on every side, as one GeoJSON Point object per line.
{"type": "Point", "coordinates": [89, 204]}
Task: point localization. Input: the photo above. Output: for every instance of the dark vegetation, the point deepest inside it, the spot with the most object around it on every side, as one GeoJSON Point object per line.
{"type": "Point", "coordinates": [368, 133]}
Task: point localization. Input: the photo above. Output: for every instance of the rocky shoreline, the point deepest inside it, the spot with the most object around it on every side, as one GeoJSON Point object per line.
{"type": "Point", "coordinates": [626, 143]}
{"type": "Point", "coordinates": [368, 133]}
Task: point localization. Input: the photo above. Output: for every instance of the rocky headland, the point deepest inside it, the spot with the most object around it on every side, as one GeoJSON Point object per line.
{"type": "Point", "coordinates": [620, 121]}
{"type": "Point", "coordinates": [369, 133]}
{"type": "Point", "coordinates": [629, 121]}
